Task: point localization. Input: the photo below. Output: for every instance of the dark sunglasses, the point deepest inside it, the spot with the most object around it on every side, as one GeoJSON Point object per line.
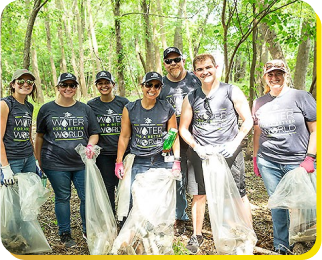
{"type": "Point", "coordinates": [277, 65]}
{"type": "Point", "coordinates": [66, 85]}
{"type": "Point", "coordinates": [150, 85]}
{"type": "Point", "coordinates": [208, 108]}
{"type": "Point", "coordinates": [176, 60]}
{"type": "Point", "coordinates": [22, 81]}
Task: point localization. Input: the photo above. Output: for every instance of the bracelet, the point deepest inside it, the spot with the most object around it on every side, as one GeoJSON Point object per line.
{"type": "Point", "coordinates": [177, 159]}
{"type": "Point", "coordinates": [311, 155]}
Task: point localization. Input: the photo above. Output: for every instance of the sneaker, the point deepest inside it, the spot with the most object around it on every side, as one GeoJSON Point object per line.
{"type": "Point", "coordinates": [179, 227]}
{"type": "Point", "coordinates": [67, 240]}
{"type": "Point", "coordinates": [194, 243]}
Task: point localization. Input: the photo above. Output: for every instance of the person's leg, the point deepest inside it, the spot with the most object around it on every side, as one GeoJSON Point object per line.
{"type": "Point", "coordinates": [78, 178]}
{"type": "Point", "coordinates": [198, 208]}
{"type": "Point", "coordinates": [106, 165]}
{"type": "Point", "coordinates": [61, 183]}
{"type": "Point", "coordinates": [30, 164]}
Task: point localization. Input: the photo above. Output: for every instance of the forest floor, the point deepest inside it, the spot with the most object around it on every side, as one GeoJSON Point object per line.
{"type": "Point", "coordinates": [262, 223]}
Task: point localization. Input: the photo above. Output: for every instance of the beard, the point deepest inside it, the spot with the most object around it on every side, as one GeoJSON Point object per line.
{"type": "Point", "coordinates": [176, 72]}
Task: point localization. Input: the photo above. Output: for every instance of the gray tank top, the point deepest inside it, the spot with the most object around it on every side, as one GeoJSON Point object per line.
{"type": "Point", "coordinates": [215, 120]}
{"type": "Point", "coordinates": [149, 127]}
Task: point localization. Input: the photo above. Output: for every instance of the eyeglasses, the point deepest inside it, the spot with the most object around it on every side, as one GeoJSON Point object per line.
{"type": "Point", "coordinates": [208, 108]}
{"type": "Point", "coordinates": [150, 85]}
{"type": "Point", "coordinates": [277, 65]}
{"type": "Point", "coordinates": [22, 81]}
{"type": "Point", "coordinates": [66, 85]}
{"type": "Point", "coordinates": [176, 60]}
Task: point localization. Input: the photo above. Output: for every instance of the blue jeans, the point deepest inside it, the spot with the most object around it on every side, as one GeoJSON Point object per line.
{"type": "Point", "coordinates": [22, 165]}
{"type": "Point", "coordinates": [272, 173]}
{"type": "Point", "coordinates": [181, 203]}
{"type": "Point", "coordinates": [61, 182]}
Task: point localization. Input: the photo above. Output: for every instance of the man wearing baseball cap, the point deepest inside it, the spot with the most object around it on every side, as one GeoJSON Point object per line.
{"type": "Point", "coordinates": [176, 85]}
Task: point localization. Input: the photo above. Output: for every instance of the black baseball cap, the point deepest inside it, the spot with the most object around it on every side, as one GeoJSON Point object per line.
{"type": "Point", "coordinates": [104, 75]}
{"type": "Point", "coordinates": [152, 76]}
{"type": "Point", "coordinates": [67, 76]}
{"type": "Point", "coordinates": [169, 50]}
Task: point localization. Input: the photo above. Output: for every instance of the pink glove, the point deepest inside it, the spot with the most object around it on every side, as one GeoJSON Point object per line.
{"type": "Point", "coordinates": [89, 151]}
{"type": "Point", "coordinates": [308, 164]}
{"type": "Point", "coordinates": [119, 170]}
{"type": "Point", "coordinates": [256, 170]}
{"type": "Point", "coordinates": [176, 166]}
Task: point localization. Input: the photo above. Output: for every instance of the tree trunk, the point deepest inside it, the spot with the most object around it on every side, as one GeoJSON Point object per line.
{"type": "Point", "coordinates": [80, 33]}
{"type": "Point", "coordinates": [177, 42]}
{"type": "Point", "coordinates": [63, 63]}
{"type": "Point", "coordinates": [162, 32]}
{"type": "Point", "coordinates": [35, 70]}
{"type": "Point", "coordinates": [157, 59]}
{"type": "Point", "coordinates": [52, 63]}
{"type": "Point", "coordinates": [148, 38]}
{"type": "Point", "coordinates": [313, 84]}
{"type": "Point", "coordinates": [302, 60]}
{"type": "Point", "coordinates": [32, 18]}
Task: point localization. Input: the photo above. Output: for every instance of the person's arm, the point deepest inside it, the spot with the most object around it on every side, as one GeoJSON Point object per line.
{"type": "Point", "coordinates": [93, 139]}
{"type": "Point", "coordinates": [185, 121]}
{"type": "Point", "coordinates": [125, 135]}
{"type": "Point", "coordinates": [257, 133]}
{"type": "Point", "coordinates": [4, 117]}
{"type": "Point", "coordinates": [312, 141]}
{"type": "Point", "coordinates": [242, 107]}
{"type": "Point", "coordinates": [39, 140]}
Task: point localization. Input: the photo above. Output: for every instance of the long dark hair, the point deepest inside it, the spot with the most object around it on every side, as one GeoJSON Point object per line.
{"type": "Point", "coordinates": [33, 93]}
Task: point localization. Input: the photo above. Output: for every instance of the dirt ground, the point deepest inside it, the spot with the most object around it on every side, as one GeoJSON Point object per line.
{"type": "Point", "coordinates": [257, 195]}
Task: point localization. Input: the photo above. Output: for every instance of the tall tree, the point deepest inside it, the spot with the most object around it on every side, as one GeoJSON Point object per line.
{"type": "Point", "coordinates": [177, 42]}
{"type": "Point", "coordinates": [147, 35]}
{"type": "Point", "coordinates": [38, 4]}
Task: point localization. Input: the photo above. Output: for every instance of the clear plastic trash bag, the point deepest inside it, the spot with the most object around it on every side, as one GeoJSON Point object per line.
{"type": "Point", "coordinates": [232, 229]}
{"type": "Point", "coordinates": [297, 192]}
{"type": "Point", "coordinates": [101, 227]}
{"type": "Point", "coordinates": [148, 229]}
{"type": "Point", "coordinates": [20, 230]}
{"type": "Point", "coordinates": [123, 192]}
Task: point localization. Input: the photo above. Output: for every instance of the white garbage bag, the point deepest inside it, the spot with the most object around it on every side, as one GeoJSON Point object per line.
{"type": "Point", "coordinates": [232, 229]}
{"type": "Point", "coordinates": [148, 229]}
{"type": "Point", "coordinates": [101, 227]}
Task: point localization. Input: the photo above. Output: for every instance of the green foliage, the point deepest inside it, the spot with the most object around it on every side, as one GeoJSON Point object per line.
{"type": "Point", "coordinates": [180, 249]}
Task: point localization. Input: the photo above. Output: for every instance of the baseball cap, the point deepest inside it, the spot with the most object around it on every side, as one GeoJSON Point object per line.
{"type": "Point", "coordinates": [104, 75]}
{"type": "Point", "coordinates": [274, 65]}
{"type": "Point", "coordinates": [18, 73]}
{"type": "Point", "coordinates": [67, 76]}
{"type": "Point", "coordinates": [169, 50]}
{"type": "Point", "coordinates": [152, 76]}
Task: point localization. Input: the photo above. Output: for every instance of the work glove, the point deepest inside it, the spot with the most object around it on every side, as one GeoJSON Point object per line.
{"type": "Point", "coordinates": [228, 149]}
{"type": "Point", "coordinates": [256, 170]}
{"type": "Point", "coordinates": [204, 151]}
{"type": "Point", "coordinates": [119, 170]}
{"type": "Point", "coordinates": [7, 175]}
{"type": "Point", "coordinates": [38, 169]}
{"type": "Point", "coordinates": [89, 151]}
{"type": "Point", "coordinates": [308, 164]}
{"type": "Point", "coordinates": [176, 168]}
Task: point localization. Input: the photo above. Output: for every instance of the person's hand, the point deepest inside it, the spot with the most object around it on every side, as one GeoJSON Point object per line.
{"type": "Point", "coordinates": [176, 167]}
{"type": "Point", "coordinates": [38, 169]}
{"type": "Point", "coordinates": [119, 170]}
{"type": "Point", "coordinates": [228, 149]}
{"type": "Point", "coordinates": [7, 175]}
{"type": "Point", "coordinates": [204, 151]}
{"type": "Point", "coordinates": [308, 164]}
{"type": "Point", "coordinates": [89, 151]}
{"type": "Point", "coordinates": [256, 170]}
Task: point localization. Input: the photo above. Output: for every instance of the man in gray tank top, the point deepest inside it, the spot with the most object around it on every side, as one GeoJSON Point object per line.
{"type": "Point", "coordinates": [213, 111]}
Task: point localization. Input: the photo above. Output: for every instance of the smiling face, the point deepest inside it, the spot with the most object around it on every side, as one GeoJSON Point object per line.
{"type": "Point", "coordinates": [275, 79]}
{"type": "Point", "coordinates": [23, 85]}
{"type": "Point", "coordinates": [105, 86]}
{"type": "Point", "coordinates": [67, 89]}
{"type": "Point", "coordinates": [205, 70]}
{"type": "Point", "coordinates": [151, 89]}
{"type": "Point", "coordinates": [174, 69]}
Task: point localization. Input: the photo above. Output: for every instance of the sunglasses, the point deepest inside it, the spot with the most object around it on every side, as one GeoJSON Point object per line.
{"type": "Point", "coordinates": [150, 85]}
{"type": "Point", "coordinates": [66, 85]}
{"type": "Point", "coordinates": [277, 65]}
{"type": "Point", "coordinates": [176, 60]}
{"type": "Point", "coordinates": [22, 81]}
{"type": "Point", "coordinates": [208, 108]}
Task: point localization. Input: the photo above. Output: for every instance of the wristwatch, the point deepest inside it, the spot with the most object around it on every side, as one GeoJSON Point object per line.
{"type": "Point", "coordinates": [311, 155]}
{"type": "Point", "coordinates": [177, 159]}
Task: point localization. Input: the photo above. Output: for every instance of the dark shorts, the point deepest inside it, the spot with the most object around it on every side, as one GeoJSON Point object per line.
{"type": "Point", "coordinates": [196, 184]}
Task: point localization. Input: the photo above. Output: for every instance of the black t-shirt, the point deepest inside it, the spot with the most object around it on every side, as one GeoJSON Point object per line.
{"type": "Point", "coordinates": [64, 128]}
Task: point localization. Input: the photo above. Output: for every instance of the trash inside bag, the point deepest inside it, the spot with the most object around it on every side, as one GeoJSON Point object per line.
{"type": "Point", "coordinates": [297, 192]}
{"type": "Point", "coordinates": [123, 193]}
{"type": "Point", "coordinates": [232, 229]}
{"type": "Point", "coordinates": [148, 229]}
{"type": "Point", "coordinates": [101, 227]}
{"type": "Point", "coordinates": [20, 236]}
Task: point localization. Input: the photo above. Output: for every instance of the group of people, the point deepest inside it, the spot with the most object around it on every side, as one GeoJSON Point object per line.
{"type": "Point", "coordinates": [206, 112]}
